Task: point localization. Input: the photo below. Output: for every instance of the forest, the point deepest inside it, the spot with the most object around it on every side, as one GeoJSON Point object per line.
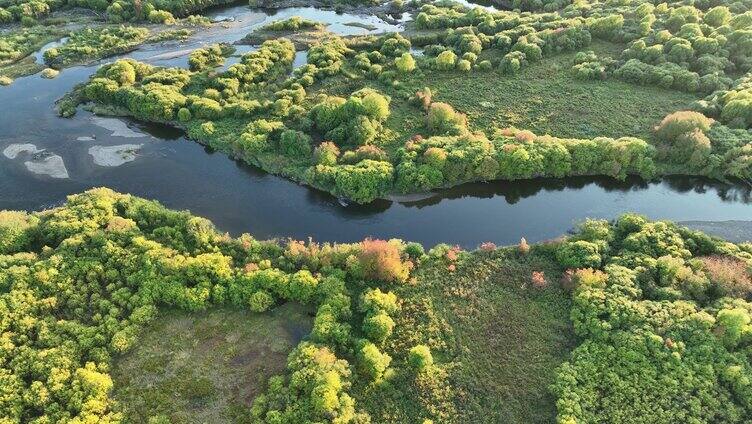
{"type": "Point", "coordinates": [656, 316]}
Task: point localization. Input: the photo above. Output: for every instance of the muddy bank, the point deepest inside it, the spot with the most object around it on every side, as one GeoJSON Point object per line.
{"type": "Point", "coordinates": [114, 155]}
{"type": "Point", "coordinates": [13, 150]}
{"type": "Point", "coordinates": [51, 166]}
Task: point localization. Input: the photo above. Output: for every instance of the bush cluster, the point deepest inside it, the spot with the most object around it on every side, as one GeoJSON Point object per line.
{"type": "Point", "coordinates": [660, 329]}
{"type": "Point", "coordinates": [260, 111]}
{"type": "Point", "coordinates": [362, 182]}
{"type": "Point", "coordinates": [27, 10]}
{"type": "Point", "coordinates": [17, 44]}
{"type": "Point", "coordinates": [732, 106]}
{"type": "Point", "coordinates": [209, 57]}
{"type": "Point", "coordinates": [588, 66]}
{"type": "Point", "coordinates": [293, 23]}
{"type": "Point", "coordinates": [117, 11]}
{"type": "Point", "coordinates": [254, 88]}
{"type": "Point", "coordinates": [79, 283]}
{"type": "Point", "coordinates": [684, 140]}
{"type": "Point", "coordinates": [447, 160]}
{"type": "Point", "coordinates": [384, 58]}
{"type": "Point", "coordinates": [325, 59]}
{"type": "Point", "coordinates": [161, 94]}
{"type": "Point", "coordinates": [352, 122]}
{"type": "Point", "coordinates": [673, 45]}
{"type": "Point", "coordinates": [95, 43]}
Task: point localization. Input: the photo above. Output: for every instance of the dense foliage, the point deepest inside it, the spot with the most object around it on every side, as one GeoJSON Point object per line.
{"type": "Point", "coordinates": [116, 11]}
{"type": "Point", "coordinates": [671, 45]}
{"type": "Point", "coordinates": [15, 45]}
{"type": "Point", "coordinates": [119, 11]}
{"type": "Point", "coordinates": [663, 313]}
{"type": "Point", "coordinates": [78, 283]}
{"type": "Point", "coordinates": [293, 23]}
{"type": "Point", "coordinates": [89, 44]}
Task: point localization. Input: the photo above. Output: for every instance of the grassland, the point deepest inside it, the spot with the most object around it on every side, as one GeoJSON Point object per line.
{"type": "Point", "coordinates": [502, 339]}
{"type": "Point", "coordinates": [543, 97]}
{"type": "Point", "coordinates": [499, 337]}
{"type": "Point", "coordinates": [546, 99]}
{"type": "Point", "coordinates": [206, 367]}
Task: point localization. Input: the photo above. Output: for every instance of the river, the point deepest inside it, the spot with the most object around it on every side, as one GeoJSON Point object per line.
{"type": "Point", "coordinates": [159, 163]}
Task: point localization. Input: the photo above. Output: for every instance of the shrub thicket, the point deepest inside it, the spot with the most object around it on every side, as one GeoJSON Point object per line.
{"type": "Point", "coordinates": [79, 283]}
{"type": "Point", "coordinates": [293, 23]}
{"type": "Point", "coordinates": [95, 43]}
{"type": "Point", "coordinates": [654, 304]}
{"type": "Point", "coordinates": [657, 332]}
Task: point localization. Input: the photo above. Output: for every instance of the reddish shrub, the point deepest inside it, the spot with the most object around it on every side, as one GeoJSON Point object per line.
{"type": "Point", "coordinates": [525, 136]}
{"type": "Point", "coordinates": [539, 279]}
{"type": "Point", "coordinates": [681, 122]}
{"type": "Point", "coordinates": [453, 253]}
{"type": "Point", "coordinates": [487, 246]}
{"type": "Point", "coordinates": [380, 260]}
{"type": "Point", "coordinates": [369, 151]}
{"type": "Point", "coordinates": [730, 275]}
{"type": "Point", "coordinates": [424, 97]}
{"type": "Point", "coordinates": [507, 132]}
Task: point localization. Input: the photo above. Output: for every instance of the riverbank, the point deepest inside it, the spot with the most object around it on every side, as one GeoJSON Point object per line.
{"type": "Point", "coordinates": [277, 165]}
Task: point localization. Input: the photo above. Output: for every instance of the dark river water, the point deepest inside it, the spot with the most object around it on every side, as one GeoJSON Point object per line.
{"type": "Point", "coordinates": [238, 198]}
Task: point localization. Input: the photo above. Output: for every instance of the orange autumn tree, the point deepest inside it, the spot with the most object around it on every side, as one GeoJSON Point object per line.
{"type": "Point", "coordinates": [382, 260]}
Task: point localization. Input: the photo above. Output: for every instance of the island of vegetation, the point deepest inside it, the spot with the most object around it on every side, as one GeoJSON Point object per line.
{"type": "Point", "coordinates": [91, 30]}
{"type": "Point", "coordinates": [116, 309]}
{"type": "Point", "coordinates": [466, 94]}
{"type": "Point", "coordinates": [80, 43]}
